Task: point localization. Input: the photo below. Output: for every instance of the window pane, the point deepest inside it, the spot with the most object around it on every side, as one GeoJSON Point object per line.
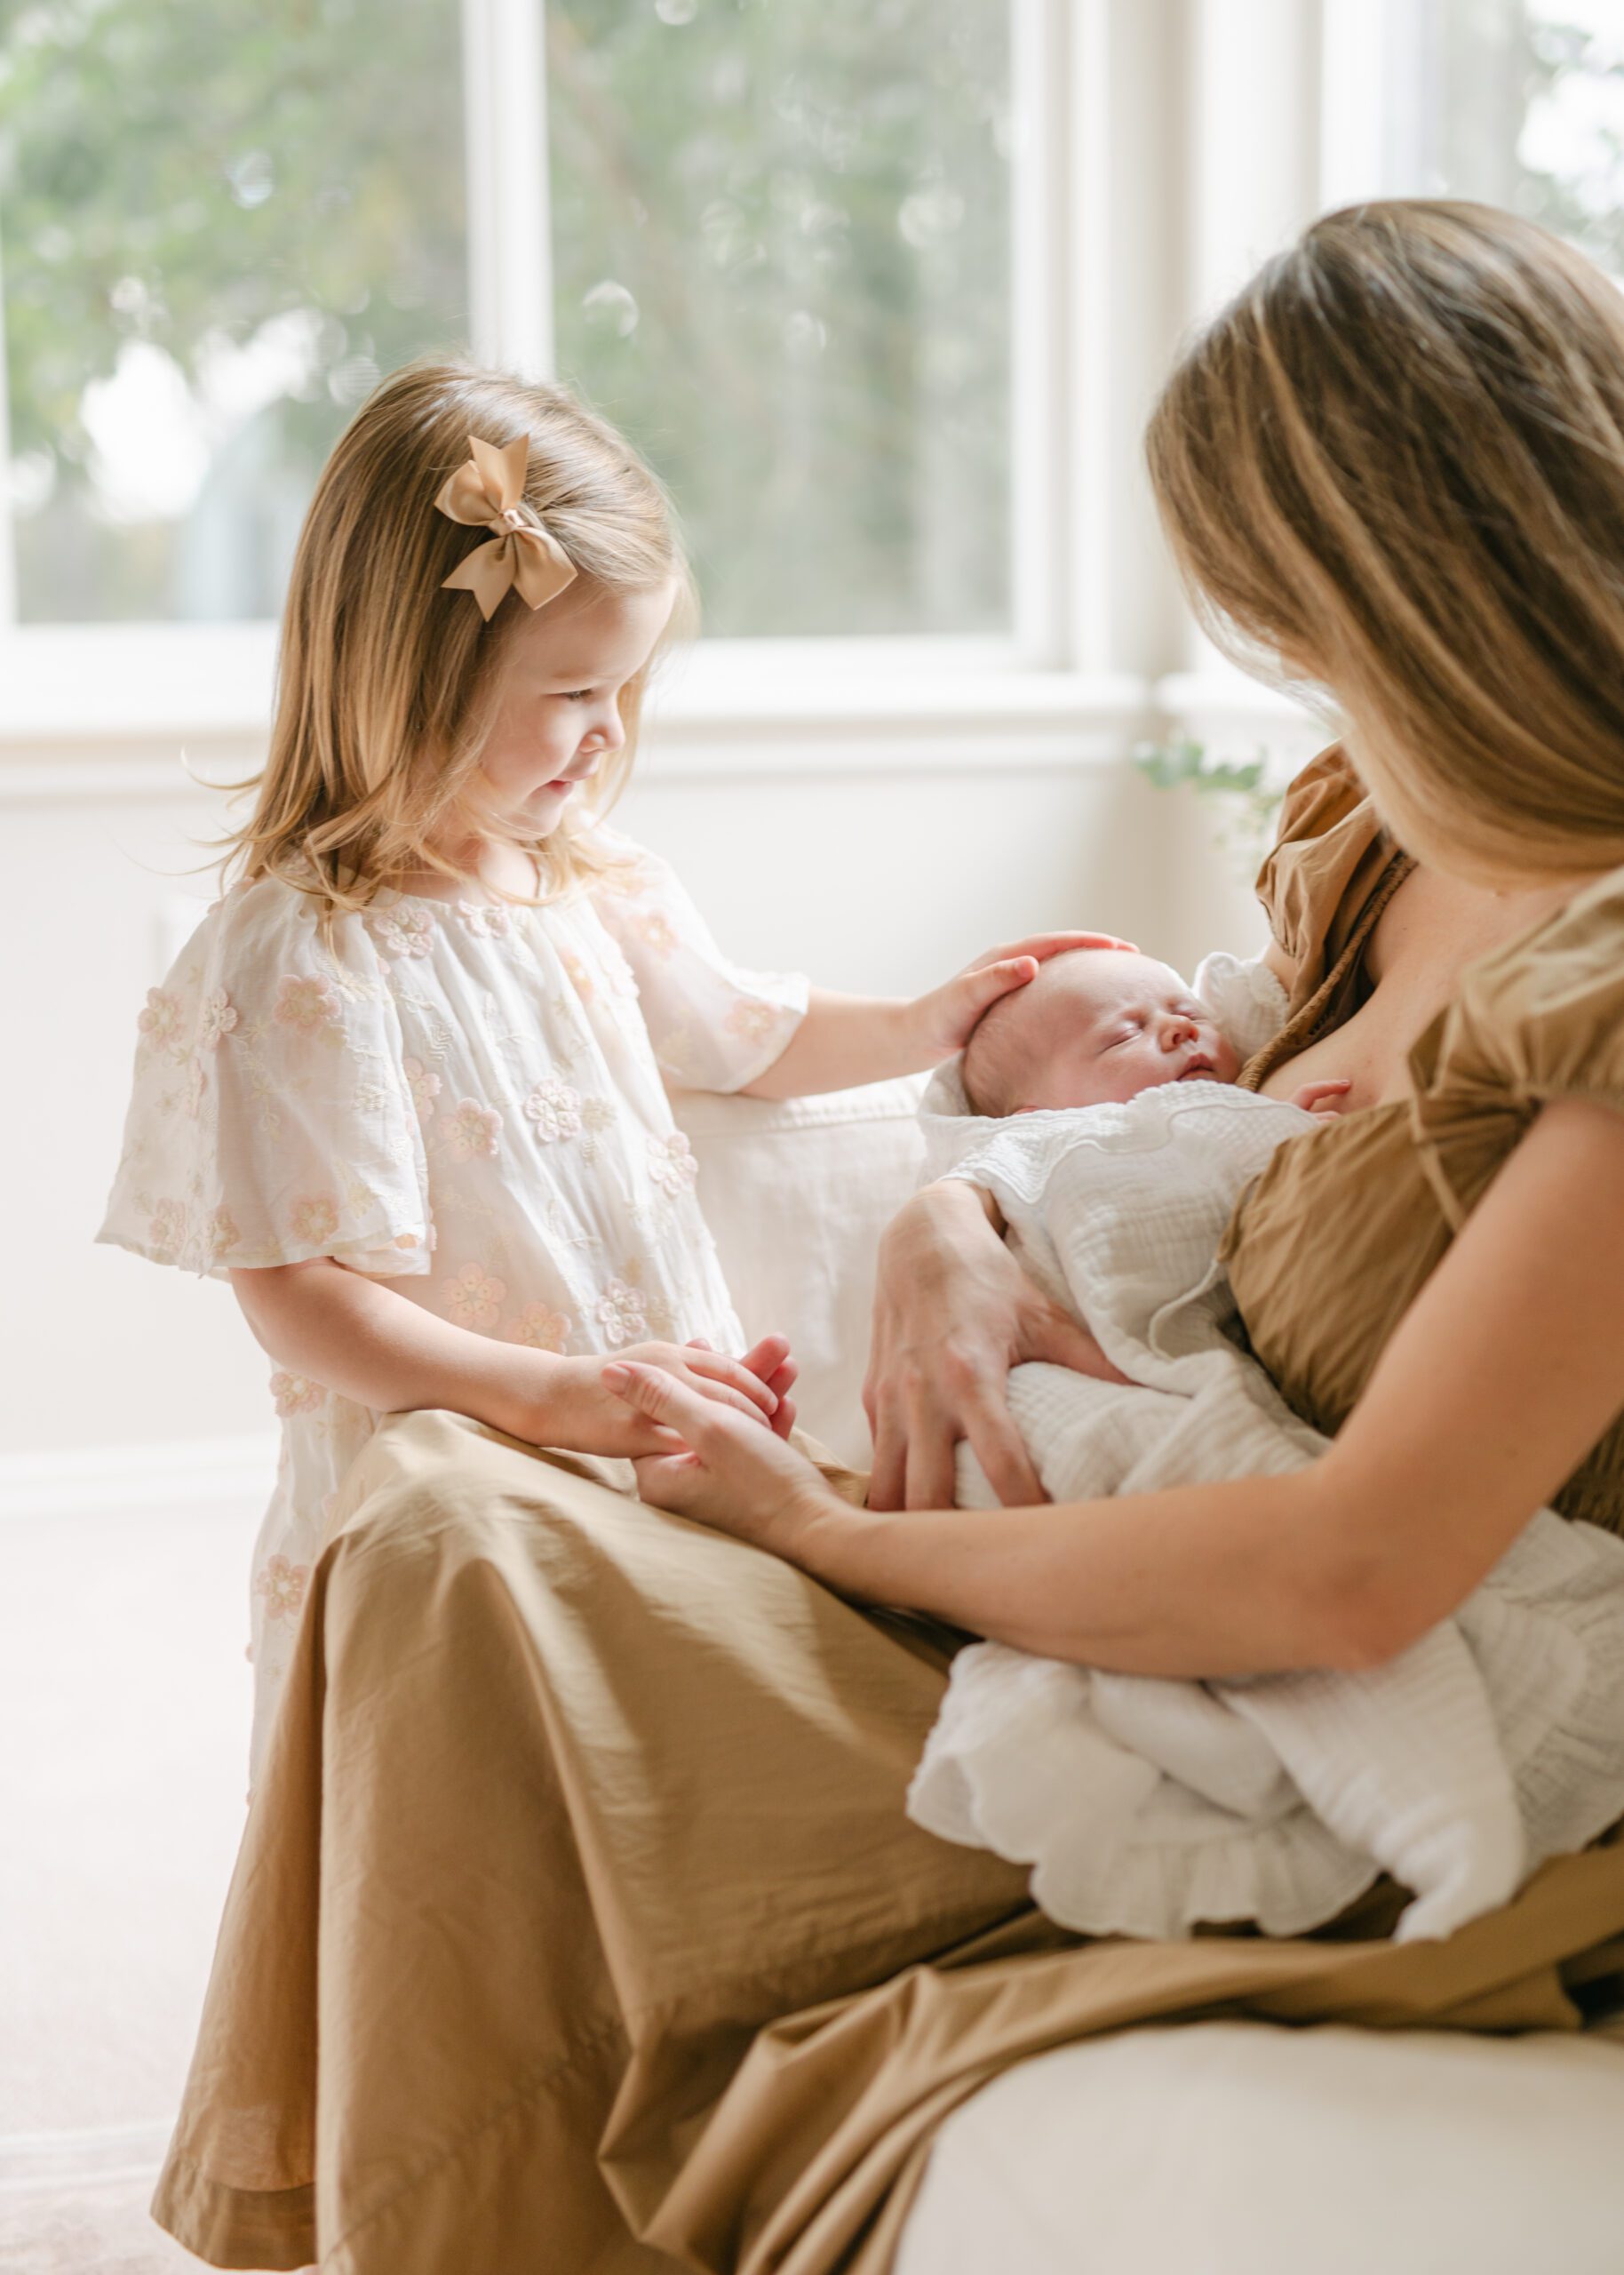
{"type": "Point", "coordinates": [1519, 103]}
{"type": "Point", "coordinates": [218, 223]}
{"type": "Point", "coordinates": [781, 248]}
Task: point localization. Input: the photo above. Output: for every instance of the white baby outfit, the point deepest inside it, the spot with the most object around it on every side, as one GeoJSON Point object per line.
{"type": "Point", "coordinates": [1147, 1806]}
{"type": "Point", "coordinates": [466, 1099]}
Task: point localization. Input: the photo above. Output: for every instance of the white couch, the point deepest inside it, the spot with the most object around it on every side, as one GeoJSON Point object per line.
{"type": "Point", "coordinates": [1220, 2148]}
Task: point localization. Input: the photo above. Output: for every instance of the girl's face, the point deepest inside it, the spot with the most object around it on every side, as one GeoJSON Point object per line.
{"type": "Point", "coordinates": [558, 713]}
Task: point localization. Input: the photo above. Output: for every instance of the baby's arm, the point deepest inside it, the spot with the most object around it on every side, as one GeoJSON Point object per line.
{"type": "Point", "coordinates": [362, 1339]}
{"type": "Point", "coordinates": [845, 1039]}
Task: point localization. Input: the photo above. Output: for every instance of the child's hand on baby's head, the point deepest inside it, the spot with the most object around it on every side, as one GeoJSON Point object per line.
{"type": "Point", "coordinates": [1324, 1100]}
{"type": "Point", "coordinates": [948, 1015]}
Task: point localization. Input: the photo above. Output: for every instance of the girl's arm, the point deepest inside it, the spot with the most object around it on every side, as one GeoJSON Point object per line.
{"type": "Point", "coordinates": [845, 1039]}
{"type": "Point", "coordinates": [1505, 1371]}
{"type": "Point", "coordinates": [359, 1338]}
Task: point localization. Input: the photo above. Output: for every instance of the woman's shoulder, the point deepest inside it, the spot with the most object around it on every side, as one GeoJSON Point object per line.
{"type": "Point", "coordinates": [1329, 856]}
{"type": "Point", "coordinates": [1540, 1018]}
{"type": "Point", "coordinates": [1547, 1007]}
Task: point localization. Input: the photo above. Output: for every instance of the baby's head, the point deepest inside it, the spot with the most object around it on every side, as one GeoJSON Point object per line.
{"type": "Point", "coordinates": [428, 700]}
{"type": "Point", "coordinates": [1097, 1024]}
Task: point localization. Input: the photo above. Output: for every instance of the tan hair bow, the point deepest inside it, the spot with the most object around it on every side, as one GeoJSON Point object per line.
{"type": "Point", "coordinates": [489, 491]}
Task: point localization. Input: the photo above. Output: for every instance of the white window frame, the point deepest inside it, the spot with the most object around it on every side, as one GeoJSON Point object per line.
{"type": "Point", "coordinates": [87, 685]}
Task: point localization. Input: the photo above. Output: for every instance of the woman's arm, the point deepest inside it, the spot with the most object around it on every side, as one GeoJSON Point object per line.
{"type": "Point", "coordinates": [953, 1312]}
{"type": "Point", "coordinates": [362, 1338]}
{"type": "Point", "coordinates": [845, 1039]}
{"type": "Point", "coordinates": [1507, 1369]}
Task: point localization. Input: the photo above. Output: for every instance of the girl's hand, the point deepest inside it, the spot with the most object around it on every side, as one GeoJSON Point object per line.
{"type": "Point", "coordinates": [946, 1016]}
{"type": "Point", "coordinates": [1324, 1100]}
{"type": "Point", "coordinates": [721, 1469]}
{"type": "Point", "coordinates": [573, 1408]}
{"type": "Point", "coordinates": [953, 1312]}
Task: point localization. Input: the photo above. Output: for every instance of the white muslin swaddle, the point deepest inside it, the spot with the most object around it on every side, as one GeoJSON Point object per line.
{"type": "Point", "coordinates": [1146, 1806]}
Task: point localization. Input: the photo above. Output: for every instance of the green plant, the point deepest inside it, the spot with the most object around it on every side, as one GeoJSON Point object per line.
{"type": "Point", "coordinates": [1246, 791]}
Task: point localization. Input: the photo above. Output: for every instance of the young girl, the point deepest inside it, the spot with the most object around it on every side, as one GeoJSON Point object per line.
{"type": "Point", "coordinates": [404, 1086]}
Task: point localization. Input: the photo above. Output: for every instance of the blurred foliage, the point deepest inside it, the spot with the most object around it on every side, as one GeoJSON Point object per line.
{"type": "Point", "coordinates": [1584, 200]}
{"type": "Point", "coordinates": [1246, 793]}
{"type": "Point", "coordinates": [781, 251]}
{"type": "Point", "coordinates": [781, 235]}
{"type": "Point", "coordinates": [186, 173]}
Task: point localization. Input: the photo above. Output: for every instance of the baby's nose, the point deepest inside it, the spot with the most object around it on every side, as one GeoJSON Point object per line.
{"type": "Point", "coordinates": [1178, 1031]}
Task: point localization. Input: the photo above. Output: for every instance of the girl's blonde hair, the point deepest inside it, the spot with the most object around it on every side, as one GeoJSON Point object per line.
{"type": "Point", "coordinates": [1395, 463]}
{"type": "Point", "coordinates": [387, 684]}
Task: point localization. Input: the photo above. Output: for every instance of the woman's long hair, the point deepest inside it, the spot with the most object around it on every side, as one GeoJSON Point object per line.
{"type": "Point", "coordinates": [1395, 463]}
{"type": "Point", "coordinates": [386, 684]}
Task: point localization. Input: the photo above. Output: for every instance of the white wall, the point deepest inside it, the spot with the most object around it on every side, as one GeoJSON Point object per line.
{"type": "Point", "coordinates": [884, 877]}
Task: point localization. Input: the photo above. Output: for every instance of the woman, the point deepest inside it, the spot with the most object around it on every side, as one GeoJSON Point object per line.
{"type": "Point", "coordinates": [580, 1857]}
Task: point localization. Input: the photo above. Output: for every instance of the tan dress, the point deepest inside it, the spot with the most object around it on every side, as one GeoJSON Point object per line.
{"type": "Point", "coordinates": [1539, 1019]}
{"type": "Point", "coordinates": [578, 1926]}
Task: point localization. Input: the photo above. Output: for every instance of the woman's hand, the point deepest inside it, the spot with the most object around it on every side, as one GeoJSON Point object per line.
{"type": "Point", "coordinates": [573, 1409]}
{"type": "Point", "coordinates": [953, 1312]}
{"type": "Point", "coordinates": [945, 1017]}
{"type": "Point", "coordinates": [719, 1467]}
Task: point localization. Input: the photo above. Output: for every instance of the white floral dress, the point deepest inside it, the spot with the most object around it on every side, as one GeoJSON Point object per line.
{"type": "Point", "coordinates": [466, 1099]}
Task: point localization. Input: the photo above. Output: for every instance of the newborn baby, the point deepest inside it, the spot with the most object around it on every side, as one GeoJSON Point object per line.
{"type": "Point", "coordinates": [1097, 1027]}
{"type": "Point", "coordinates": [1099, 1106]}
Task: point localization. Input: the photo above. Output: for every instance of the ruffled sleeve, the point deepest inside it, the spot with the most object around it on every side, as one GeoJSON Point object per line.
{"type": "Point", "coordinates": [271, 1118]}
{"type": "Point", "coordinates": [714, 1025]}
{"type": "Point", "coordinates": [1539, 1020]}
{"type": "Point", "coordinates": [1329, 857]}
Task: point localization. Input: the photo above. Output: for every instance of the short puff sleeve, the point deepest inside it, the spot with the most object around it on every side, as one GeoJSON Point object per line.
{"type": "Point", "coordinates": [1539, 1020]}
{"type": "Point", "coordinates": [271, 1118]}
{"type": "Point", "coordinates": [714, 1025]}
{"type": "Point", "coordinates": [1329, 856]}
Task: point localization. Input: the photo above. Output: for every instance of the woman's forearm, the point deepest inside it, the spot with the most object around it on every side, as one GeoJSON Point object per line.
{"type": "Point", "coordinates": [360, 1338]}
{"type": "Point", "coordinates": [1246, 1578]}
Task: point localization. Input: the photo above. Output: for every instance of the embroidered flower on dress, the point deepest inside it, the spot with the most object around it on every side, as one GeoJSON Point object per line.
{"type": "Point", "coordinates": [471, 1131]}
{"type": "Point", "coordinates": [425, 1085]}
{"type": "Point", "coordinates": [216, 1019]}
{"type": "Point", "coordinates": [621, 1314]}
{"type": "Point", "coordinates": [473, 1297]}
{"type": "Point", "coordinates": [191, 1096]}
{"type": "Point", "coordinates": [402, 931]}
{"type": "Point", "coordinates": [166, 1229]}
{"type": "Point", "coordinates": [554, 1109]}
{"type": "Point", "coordinates": [539, 1327]}
{"type": "Point", "coordinates": [283, 1586]}
{"type": "Point", "coordinates": [658, 932]}
{"type": "Point", "coordinates": [306, 1004]}
{"type": "Point", "coordinates": [314, 1217]}
{"type": "Point", "coordinates": [223, 1233]}
{"type": "Point", "coordinates": [160, 1022]}
{"type": "Point", "coordinates": [580, 978]}
{"type": "Point", "coordinates": [671, 1166]}
{"type": "Point", "coordinates": [486, 920]}
{"type": "Point", "coordinates": [297, 1393]}
{"type": "Point", "coordinates": [754, 1020]}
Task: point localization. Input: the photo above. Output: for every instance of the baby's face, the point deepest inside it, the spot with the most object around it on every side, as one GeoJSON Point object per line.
{"type": "Point", "coordinates": [1101, 1026]}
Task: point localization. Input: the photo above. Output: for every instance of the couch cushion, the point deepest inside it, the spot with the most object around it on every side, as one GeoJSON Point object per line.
{"type": "Point", "coordinates": [797, 1192]}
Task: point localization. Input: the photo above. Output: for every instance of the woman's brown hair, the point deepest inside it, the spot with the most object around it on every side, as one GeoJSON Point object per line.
{"type": "Point", "coordinates": [1395, 463]}
{"type": "Point", "coordinates": [386, 684]}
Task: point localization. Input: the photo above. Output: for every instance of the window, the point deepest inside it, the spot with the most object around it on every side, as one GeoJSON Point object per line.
{"type": "Point", "coordinates": [217, 227]}
{"type": "Point", "coordinates": [1518, 103]}
{"type": "Point", "coordinates": [780, 258]}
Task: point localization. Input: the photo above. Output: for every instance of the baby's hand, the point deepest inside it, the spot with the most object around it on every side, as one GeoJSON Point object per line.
{"type": "Point", "coordinates": [944, 1018]}
{"type": "Point", "coordinates": [1316, 1098]}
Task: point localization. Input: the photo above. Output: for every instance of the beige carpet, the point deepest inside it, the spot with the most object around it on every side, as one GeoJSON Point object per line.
{"type": "Point", "coordinates": [124, 1735]}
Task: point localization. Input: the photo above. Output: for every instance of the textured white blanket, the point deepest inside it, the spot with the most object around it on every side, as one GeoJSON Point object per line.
{"type": "Point", "coordinates": [1145, 1807]}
